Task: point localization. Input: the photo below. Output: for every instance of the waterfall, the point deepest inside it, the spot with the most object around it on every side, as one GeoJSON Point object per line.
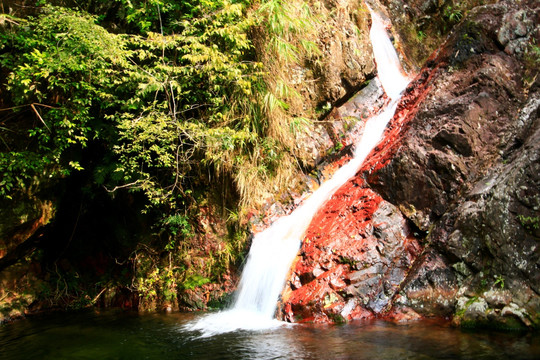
{"type": "Point", "coordinates": [274, 249]}
{"type": "Point", "coordinates": [389, 70]}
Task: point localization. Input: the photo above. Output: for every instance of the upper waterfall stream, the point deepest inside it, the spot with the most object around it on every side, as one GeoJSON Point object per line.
{"type": "Point", "coordinates": [274, 249]}
{"type": "Point", "coordinates": [389, 70]}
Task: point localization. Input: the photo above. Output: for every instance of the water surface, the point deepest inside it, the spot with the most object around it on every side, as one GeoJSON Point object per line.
{"type": "Point", "coordinates": [120, 335]}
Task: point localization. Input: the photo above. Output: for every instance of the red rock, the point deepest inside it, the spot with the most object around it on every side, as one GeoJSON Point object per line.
{"type": "Point", "coordinates": [343, 239]}
{"type": "Point", "coordinates": [402, 314]}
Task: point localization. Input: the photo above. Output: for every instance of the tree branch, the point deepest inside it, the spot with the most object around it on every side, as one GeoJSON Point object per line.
{"type": "Point", "coordinates": [39, 116]}
{"type": "Point", "coordinates": [121, 186]}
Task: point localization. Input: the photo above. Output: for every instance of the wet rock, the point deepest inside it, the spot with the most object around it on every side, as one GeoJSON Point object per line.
{"type": "Point", "coordinates": [517, 30]}
{"type": "Point", "coordinates": [467, 173]}
{"type": "Point", "coordinates": [497, 298]}
{"type": "Point", "coordinates": [367, 247]}
{"type": "Point", "coordinates": [458, 165]}
{"type": "Point", "coordinates": [20, 219]}
{"type": "Point", "coordinates": [430, 287]}
{"type": "Point", "coordinates": [474, 309]}
{"type": "Point", "coordinates": [365, 102]}
{"type": "Point", "coordinates": [348, 51]}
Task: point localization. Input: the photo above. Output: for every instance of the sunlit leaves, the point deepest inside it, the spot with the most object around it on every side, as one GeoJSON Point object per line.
{"type": "Point", "coordinates": [180, 97]}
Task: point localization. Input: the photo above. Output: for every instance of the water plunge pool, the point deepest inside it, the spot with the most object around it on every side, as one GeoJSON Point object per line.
{"type": "Point", "coordinates": [127, 335]}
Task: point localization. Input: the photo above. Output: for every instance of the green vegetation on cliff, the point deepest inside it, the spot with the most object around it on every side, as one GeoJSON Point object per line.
{"type": "Point", "coordinates": [161, 105]}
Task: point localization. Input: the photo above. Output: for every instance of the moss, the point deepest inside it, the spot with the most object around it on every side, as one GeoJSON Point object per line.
{"type": "Point", "coordinates": [337, 318]}
{"type": "Point", "coordinates": [461, 312]}
{"type": "Point", "coordinates": [419, 42]}
{"type": "Point", "coordinates": [504, 324]}
{"type": "Point", "coordinates": [348, 261]}
{"type": "Point", "coordinates": [221, 302]}
{"type": "Point", "coordinates": [470, 42]}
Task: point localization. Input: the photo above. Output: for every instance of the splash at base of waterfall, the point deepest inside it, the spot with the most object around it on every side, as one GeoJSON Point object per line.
{"type": "Point", "coordinates": [232, 320]}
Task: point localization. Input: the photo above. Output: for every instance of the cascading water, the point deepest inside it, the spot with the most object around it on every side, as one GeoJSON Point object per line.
{"type": "Point", "coordinates": [274, 249]}
{"type": "Point", "coordinates": [389, 71]}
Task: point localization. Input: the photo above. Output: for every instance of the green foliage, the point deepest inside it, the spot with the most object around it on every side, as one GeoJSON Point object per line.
{"type": "Point", "coordinates": [285, 21]}
{"type": "Point", "coordinates": [348, 261]}
{"type": "Point", "coordinates": [300, 124]}
{"type": "Point", "coordinates": [165, 105]}
{"type": "Point", "coordinates": [452, 14]}
{"type": "Point", "coordinates": [535, 53]}
{"type": "Point", "coordinates": [529, 222]}
{"type": "Point", "coordinates": [156, 97]}
{"type": "Point", "coordinates": [155, 281]}
{"type": "Point", "coordinates": [194, 281]}
{"type": "Point", "coordinates": [18, 169]}
{"type": "Point", "coordinates": [202, 92]}
{"type": "Point", "coordinates": [145, 15]}
{"type": "Point", "coordinates": [499, 280]}
{"type": "Point", "coordinates": [461, 311]}
{"type": "Point", "coordinates": [179, 224]}
{"type": "Point", "coordinates": [532, 62]}
{"type": "Point", "coordinates": [59, 67]}
{"type": "Point", "coordinates": [337, 318]}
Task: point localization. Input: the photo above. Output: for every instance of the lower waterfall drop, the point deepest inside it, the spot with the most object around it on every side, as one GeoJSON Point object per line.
{"type": "Point", "coordinates": [274, 249]}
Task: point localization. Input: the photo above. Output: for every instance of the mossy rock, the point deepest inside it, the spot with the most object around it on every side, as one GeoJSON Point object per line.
{"type": "Point", "coordinates": [501, 324]}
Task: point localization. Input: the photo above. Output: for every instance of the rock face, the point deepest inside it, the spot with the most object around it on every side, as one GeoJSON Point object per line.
{"type": "Point", "coordinates": [22, 222]}
{"type": "Point", "coordinates": [346, 62]}
{"type": "Point", "coordinates": [343, 66]}
{"type": "Point", "coordinates": [450, 221]}
{"type": "Point", "coordinates": [467, 172]}
{"type": "Point", "coordinates": [356, 253]}
{"type": "Point", "coordinates": [358, 248]}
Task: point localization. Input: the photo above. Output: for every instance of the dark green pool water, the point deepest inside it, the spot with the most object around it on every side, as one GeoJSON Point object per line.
{"type": "Point", "coordinates": [117, 335]}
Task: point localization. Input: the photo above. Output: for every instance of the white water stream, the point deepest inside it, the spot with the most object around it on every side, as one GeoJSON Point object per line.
{"type": "Point", "coordinates": [274, 249]}
{"type": "Point", "coordinates": [392, 77]}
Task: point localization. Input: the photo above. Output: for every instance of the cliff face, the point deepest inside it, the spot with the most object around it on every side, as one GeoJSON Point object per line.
{"type": "Point", "coordinates": [457, 174]}
{"type": "Point", "coordinates": [58, 242]}
{"type": "Point", "coordinates": [467, 173]}
{"type": "Point", "coordinates": [346, 62]}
